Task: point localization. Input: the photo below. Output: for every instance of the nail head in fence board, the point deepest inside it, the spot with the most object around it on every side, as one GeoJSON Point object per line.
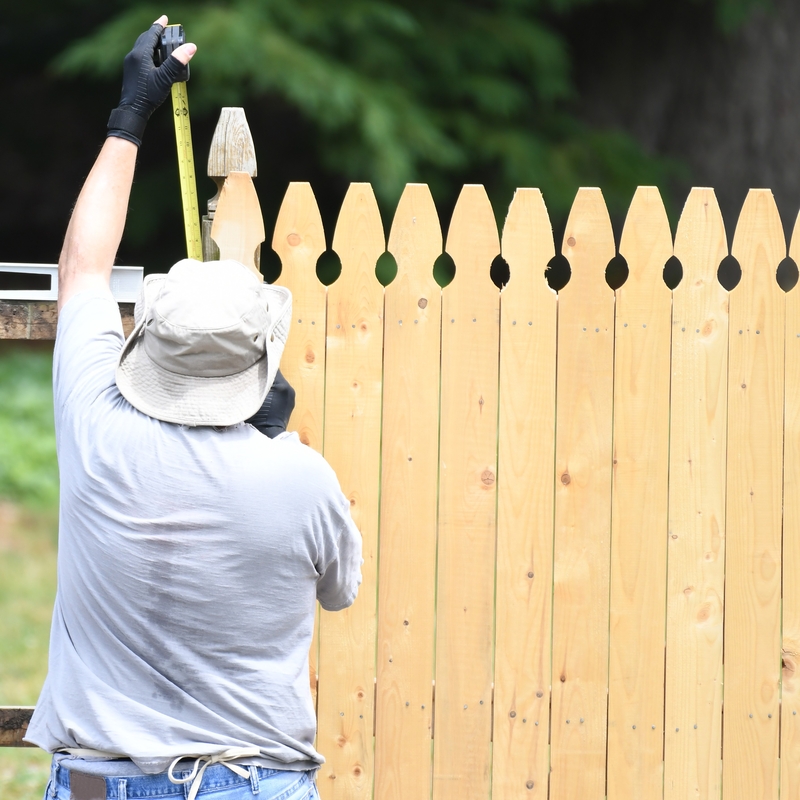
{"type": "Point", "coordinates": [754, 507]}
{"type": "Point", "coordinates": [299, 240]}
{"type": "Point", "coordinates": [639, 504]}
{"type": "Point", "coordinates": [238, 227]}
{"type": "Point", "coordinates": [582, 505]}
{"type": "Point", "coordinates": [525, 505]}
{"type": "Point", "coordinates": [790, 694]}
{"type": "Point", "coordinates": [696, 535]}
{"type": "Point", "coordinates": [467, 501]}
{"type": "Point", "coordinates": [408, 503]}
{"type": "Point", "coordinates": [352, 447]}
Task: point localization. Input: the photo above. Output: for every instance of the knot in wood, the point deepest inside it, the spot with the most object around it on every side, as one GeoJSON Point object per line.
{"type": "Point", "coordinates": [487, 477]}
{"type": "Point", "coordinates": [423, 302]}
{"type": "Point", "coordinates": [571, 241]}
{"type": "Point", "coordinates": [529, 785]}
{"type": "Point", "coordinates": [310, 357]}
{"type": "Point", "coordinates": [565, 479]}
{"type": "Point", "coordinates": [293, 239]}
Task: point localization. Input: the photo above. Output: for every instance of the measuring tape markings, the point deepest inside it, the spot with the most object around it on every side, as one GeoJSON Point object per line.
{"type": "Point", "coordinates": [183, 138]}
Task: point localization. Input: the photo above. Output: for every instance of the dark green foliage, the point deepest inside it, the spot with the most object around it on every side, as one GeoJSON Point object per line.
{"type": "Point", "coordinates": [438, 91]}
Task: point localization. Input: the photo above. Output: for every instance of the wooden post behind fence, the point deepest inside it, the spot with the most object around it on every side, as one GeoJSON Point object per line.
{"type": "Point", "coordinates": [556, 540]}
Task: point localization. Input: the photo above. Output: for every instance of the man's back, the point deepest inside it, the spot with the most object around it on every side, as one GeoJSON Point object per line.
{"type": "Point", "coordinates": [189, 565]}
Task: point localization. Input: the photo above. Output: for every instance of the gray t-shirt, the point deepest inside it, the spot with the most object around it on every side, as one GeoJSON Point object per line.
{"type": "Point", "coordinates": [190, 562]}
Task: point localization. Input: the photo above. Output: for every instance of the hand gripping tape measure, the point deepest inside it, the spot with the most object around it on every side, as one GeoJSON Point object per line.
{"type": "Point", "coordinates": [171, 38]}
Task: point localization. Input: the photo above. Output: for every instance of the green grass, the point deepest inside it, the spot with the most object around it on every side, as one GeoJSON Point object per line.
{"type": "Point", "coordinates": [28, 535]}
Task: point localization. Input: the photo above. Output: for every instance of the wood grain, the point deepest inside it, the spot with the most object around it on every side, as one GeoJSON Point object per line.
{"type": "Point", "coordinates": [232, 150]}
{"type": "Point", "coordinates": [583, 506]}
{"type": "Point", "coordinates": [14, 725]}
{"type": "Point", "coordinates": [696, 554]}
{"type": "Point", "coordinates": [352, 442]}
{"type": "Point", "coordinates": [238, 227]}
{"type": "Point", "coordinates": [467, 499]}
{"type": "Point", "coordinates": [754, 507]}
{"type": "Point", "coordinates": [409, 468]}
{"type": "Point", "coordinates": [790, 690]}
{"type": "Point", "coordinates": [639, 505]}
{"type": "Point", "coordinates": [29, 320]}
{"type": "Point", "coordinates": [525, 505]}
{"type": "Point", "coordinates": [299, 240]}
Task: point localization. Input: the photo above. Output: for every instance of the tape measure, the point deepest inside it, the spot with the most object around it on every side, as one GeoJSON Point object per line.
{"type": "Point", "coordinates": [171, 38]}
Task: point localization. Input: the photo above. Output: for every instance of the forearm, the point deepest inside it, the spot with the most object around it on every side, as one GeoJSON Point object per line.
{"type": "Point", "coordinates": [98, 220]}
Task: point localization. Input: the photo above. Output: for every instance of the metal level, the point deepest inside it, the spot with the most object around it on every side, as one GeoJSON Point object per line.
{"type": "Point", "coordinates": [40, 282]}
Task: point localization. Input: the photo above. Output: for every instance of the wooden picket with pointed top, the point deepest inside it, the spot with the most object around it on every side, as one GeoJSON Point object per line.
{"type": "Point", "coordinates": [410, 463]}
{"type": "Point", "coordinates": [299, 240]}
{"type": "Point", "coordinates": [467, 499]}
{"type": "Point", "coordinates": [582, 506]}
{"type": "Point", "coordinates": [696, 554]}
{"type": "Point", "coordinates": [352, 446]}
{"type": "Point", "coordinates": [639, 505]}
{"type": "Point", "coordinates": [790, 647]}
{"type": "Point", "coordinates": [754, 507]}
{"type": "Point", "coordinates": [525, 505]}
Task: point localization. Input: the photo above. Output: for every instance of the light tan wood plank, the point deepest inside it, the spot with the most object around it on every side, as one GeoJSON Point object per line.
{"type": "Point", "coordinates": [696, 544]}
{"type": "Point", "coordinates": [238, 227]}
{"type": "Point", "coordinates": [583, 506]}
{"type": "Point", "coordinates": [790, 690]}
{"type": "Point", "coordinates": [409, 470]}
{"type": "Point", "coordinates": [352, 446]}
{"type": "Point", "coordinates": [525, 505]}
{"type": "Point", "coordinates": [754, 498]}
{"type": "Point", "coordinates": [232, 150]}
{"type": "Point", "coordinates": [299, 240]}
{"type": "Point", "coordinates": [642, 324]}
{"type": "Point", "coordinates": [467, 499]}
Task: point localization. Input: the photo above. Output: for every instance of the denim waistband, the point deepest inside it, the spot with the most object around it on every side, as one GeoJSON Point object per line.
{"type": "Point", "coordinates": [216, 777]}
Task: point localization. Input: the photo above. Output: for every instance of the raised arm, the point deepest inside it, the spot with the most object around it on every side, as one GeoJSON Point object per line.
{"type": "Point", "coordinates": [98, 219]}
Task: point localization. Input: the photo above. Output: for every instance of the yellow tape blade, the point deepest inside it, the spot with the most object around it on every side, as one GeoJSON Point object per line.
{"type": "Point", "coordinates": [183, 138]}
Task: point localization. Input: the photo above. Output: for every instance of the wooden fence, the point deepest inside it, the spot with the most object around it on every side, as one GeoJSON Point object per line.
{"type": "Point", "coordinates": [580, 511]}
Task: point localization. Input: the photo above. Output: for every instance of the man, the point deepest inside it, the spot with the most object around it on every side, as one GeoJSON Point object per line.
{"type": "Point", "coordinates": [192, 548]}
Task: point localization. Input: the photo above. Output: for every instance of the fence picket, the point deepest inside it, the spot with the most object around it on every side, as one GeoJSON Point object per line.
{"type": "Point", "coordinates": [525, 505]}
{"type": "Point", "coordinates": [582, 506]}
{"type": "Point", "coordinates": [352, 446]}
{"type": "Point", "coordinates": [754, 513]}
{"type": "Point", "coordinates": [790, 688]}
{"type": "Point", "coordinates": [410, 465]}
{"type": "Point", "coordinates": [696, 543]}
{"type": "Point", "coordinates": [639, 505]}
{"type": "Point", "coordinates": [299, 240]}
{"type": "Point", "coordinates": [467, 500]}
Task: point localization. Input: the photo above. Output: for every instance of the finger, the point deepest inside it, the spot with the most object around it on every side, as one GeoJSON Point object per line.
{"type": "Point", "coordinates": [185, 52]}
{"type": "Point", "coordinates": [162, 21]}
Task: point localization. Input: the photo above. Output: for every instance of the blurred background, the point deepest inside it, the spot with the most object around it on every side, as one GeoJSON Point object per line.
{"type": "Point", "coordinates": [554, 94]}
{"type": "Point", "coordinates": [548, 93]}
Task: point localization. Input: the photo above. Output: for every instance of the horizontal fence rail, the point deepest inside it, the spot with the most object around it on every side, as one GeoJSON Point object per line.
{"type": "Point", "coordinates": [580, 509]}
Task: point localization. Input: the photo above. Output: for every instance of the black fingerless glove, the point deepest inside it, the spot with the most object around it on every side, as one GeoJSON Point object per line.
{"type": "Point", "coordinates": [273, 416]}
{"type": "Point", "coordinates": [144, 86]}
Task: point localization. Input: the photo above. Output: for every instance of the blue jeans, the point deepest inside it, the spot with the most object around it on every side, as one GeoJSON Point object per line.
{"type": "Point", "coordinates": [219, 783]}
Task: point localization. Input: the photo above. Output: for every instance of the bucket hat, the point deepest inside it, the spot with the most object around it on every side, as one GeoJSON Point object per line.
{"type": "Point", "coordinates": [206, 343]}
